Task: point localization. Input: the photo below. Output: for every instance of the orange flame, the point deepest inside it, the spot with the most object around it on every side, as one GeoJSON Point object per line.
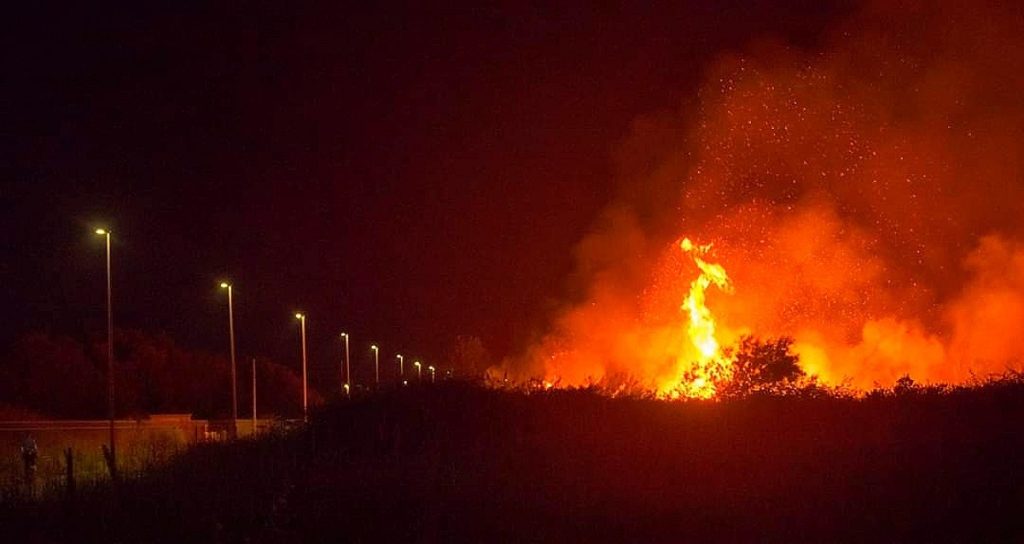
{"type": "Point", "coordinates": [711, 365]}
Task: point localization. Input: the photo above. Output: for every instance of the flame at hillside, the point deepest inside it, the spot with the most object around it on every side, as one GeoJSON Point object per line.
{"type": "Point", "coordinates": [864, 197]}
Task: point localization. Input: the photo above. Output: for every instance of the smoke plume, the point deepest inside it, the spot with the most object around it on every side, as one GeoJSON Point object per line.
{"type": "Point", "coordinates": [865, 199]}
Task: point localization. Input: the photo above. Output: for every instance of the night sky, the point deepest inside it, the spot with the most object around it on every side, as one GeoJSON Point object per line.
{"type": "Point", "coordinates": [404, 173]}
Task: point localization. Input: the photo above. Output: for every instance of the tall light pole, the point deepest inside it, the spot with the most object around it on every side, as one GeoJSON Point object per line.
{"type": "Point", "coordinates": [305, 396]}
{"type": "Point", "coordinates": [431, 369]}
{"type": "Point", "coordinates": [376, 364]}
{"type": "Point", "coordinates": [348, 370]}
{"type": "Point", "coordinates": [419, 370]}
{"type": "Point", "coordinates": [401, 366]}
{"type": "Point", "coordinates": [254, 426]}
{"type": "Point", "coordinates": [234, 368]}
{"type": "Point", "coordinates": [110, 357]}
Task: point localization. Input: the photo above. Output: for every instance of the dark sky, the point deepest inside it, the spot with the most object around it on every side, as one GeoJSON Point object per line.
{"type": "Point", "coordinates": [402, 172]}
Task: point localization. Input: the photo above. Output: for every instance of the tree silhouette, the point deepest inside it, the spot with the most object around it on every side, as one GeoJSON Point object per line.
{"type": "Point", "coordinates": [761, 366]}
{"type": "Point", "coordinates": [59, 376]}
{"type": "Point", "coordinates": [469, 355]}
{"type": "Point", "coordinates": [52, 375]}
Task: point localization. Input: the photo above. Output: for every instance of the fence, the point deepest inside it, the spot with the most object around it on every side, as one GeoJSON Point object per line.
{"type": "Point", "coordinates": [141, 443]}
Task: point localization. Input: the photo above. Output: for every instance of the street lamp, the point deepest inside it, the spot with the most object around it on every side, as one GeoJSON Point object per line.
{"type": "Point", "coordinates": [431, 369]}
{"type": "Point", "coordinates": [401, 365]}
{"type": "Point", "coordinates": [305, 396]}
{"type": "Point", "coordinates": [376, 364]}
{"type": "Point", "coordinates": [234, 370]}
{"type": "Point", "coordinates": [110, 357]}
{"type": "Point", "coordinates": [419, 369]}
{"type": "Point", "coordinates": [255, 427]}
{"type": "Point", "coordinates": [348, 369]}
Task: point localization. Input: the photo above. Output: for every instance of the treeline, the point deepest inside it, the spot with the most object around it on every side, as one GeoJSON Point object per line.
{"type": "Point", "coordinates": [63, 377]}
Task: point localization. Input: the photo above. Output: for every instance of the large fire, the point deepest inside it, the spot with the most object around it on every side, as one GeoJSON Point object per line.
{"type": "Point", "coordinates": [711, 365]}
{"type": "Point", "coordinates": [865, 198]}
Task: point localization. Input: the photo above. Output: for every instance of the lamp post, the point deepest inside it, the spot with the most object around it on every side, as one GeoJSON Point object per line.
{"type": "Point", "coordinates": [401, 366]}
{"type": "Point", "coordinates": [254, 426]}
{"type": "Point", "coordinates": [419, 370]}
{"type": "Point", "coordinates": [305, 396]}
{"type": "Point", "coordinates": [431, 369]}
{"type": "Point", "coordinates": [234, 368]}
{"type": "Point", "coordinates": [110, 357]}
{"type": "Point", "coordinates": [348, 370]}
{"type": "Point", "coordinates": [376, 364]}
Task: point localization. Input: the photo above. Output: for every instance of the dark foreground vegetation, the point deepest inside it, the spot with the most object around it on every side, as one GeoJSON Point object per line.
{"type": "Point", "coordinates": [461, 463]}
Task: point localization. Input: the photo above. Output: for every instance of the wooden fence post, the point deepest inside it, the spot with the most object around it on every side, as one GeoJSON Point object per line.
{"type": "Point", "coordinates": [110, 463]}
{"type": "Point", "coordinates": [69, 460]}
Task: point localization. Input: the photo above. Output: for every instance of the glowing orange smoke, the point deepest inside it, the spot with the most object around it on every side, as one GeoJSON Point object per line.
{"type": "Point", "coordinates": [864, 196]}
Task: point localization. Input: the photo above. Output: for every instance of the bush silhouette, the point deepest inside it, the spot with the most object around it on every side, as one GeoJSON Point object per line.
{"type": "Point", "coordinates": [761, 366]}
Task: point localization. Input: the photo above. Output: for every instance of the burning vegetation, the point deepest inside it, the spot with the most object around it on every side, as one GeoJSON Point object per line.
{"type": "Point", "coordinates": [860, 200]}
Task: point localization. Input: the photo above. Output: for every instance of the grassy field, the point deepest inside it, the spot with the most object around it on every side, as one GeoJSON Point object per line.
{"type": "Point", "coordinates": [459, 463]}
{"type": "Point", "coordinates": [140, 447]}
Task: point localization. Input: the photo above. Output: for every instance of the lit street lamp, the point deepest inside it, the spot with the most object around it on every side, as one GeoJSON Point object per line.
{"type": "Point", "coordinates": [110, 357]}
{"type": "Point", "coordinates": [234, 370]}
{"type": "Point", "coordinates": [305, 396]}
{"type": "Point", "coordinates": [376, 364]}
{"type": "Point", "coordinates": [401, 365]}
{"type": "Point", "coordinates": [419, 369]}
{"type": "Point", "coordinates": [348, 369]}
{"type": "Point", "coordinates": [431, 369]}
